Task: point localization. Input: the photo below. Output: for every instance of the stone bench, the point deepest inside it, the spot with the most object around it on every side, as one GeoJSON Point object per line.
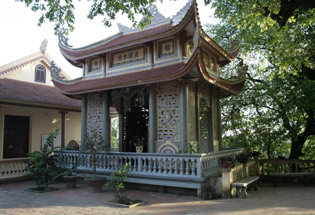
{"type": "Point", "coordinates": [277, 177]}
{"type": "Point", "coordinates": [242, 184]}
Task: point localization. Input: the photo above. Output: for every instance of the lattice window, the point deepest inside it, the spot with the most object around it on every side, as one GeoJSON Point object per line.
{"type": "Point", "coordinates": [168, 115]}
{"type": "Point", "coordinates": [94, 113]}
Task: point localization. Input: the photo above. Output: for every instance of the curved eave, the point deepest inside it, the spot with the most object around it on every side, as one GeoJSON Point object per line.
{"type": "Point", "coordinates": [157, 75]}
{"type": "Point", "coordinates": [227, 57]}
{"type": "Point", "coordinates": [228, 87]}
{"type": "Point", "coordinates": [126, 40]}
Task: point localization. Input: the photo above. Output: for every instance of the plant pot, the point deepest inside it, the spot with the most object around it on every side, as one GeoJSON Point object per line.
{"type": "Point", "coordinates": [71, 180]}
{"type": "Point", "coordinates": [139, 149]}
{"type": "Point", "coordinates": [227, 164]}
{"type": "Point", "coordinates": [96, 184]}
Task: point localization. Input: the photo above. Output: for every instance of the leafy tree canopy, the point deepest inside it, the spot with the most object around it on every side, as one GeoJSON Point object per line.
{"type": "Point", "coordinates": [283, 29]}
{"type": "Point", "coordinates": [275, 112]}
{"type": "Point", "coordinates": [61, 12]}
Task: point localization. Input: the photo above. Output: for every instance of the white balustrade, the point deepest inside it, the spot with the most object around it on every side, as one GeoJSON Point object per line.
{"type": "Point", "coordinates": [12, 168]}
{"type": "Point", "coordinates": [188, 166]}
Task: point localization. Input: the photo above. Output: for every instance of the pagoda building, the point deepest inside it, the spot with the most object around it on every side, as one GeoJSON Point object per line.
{"type": "Point", "coordinates": [164, 81]}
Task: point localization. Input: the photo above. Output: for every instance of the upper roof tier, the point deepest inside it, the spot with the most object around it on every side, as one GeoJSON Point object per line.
{"type": "Point", "coordinates": [167, 49]}
{"type": "Point", "coordinates": [160, 27]}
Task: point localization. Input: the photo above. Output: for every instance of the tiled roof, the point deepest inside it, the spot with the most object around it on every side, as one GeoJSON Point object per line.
{"type": "Point", "coordinates": [35, 57]}
{"type": "Point", "coordinates": [132, 79]}
{"type": "Point", "coordinates": [21, 92]}
{"type": "Point", "coordinates": [121, 39]}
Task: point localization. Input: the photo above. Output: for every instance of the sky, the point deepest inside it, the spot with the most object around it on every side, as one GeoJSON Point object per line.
{"type": "Point", "coordinates": [21, 36]}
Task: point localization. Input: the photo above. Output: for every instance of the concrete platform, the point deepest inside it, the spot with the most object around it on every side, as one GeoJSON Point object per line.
{"type": "Point", "coordinates": [284, 199]}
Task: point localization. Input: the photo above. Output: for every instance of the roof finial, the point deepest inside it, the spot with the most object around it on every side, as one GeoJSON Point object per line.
{"type": "Point", "coordinates": [43, 46]}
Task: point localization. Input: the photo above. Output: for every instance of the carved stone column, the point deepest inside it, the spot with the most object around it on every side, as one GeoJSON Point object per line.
{"type": "Point", "coordinates": [183, 114]}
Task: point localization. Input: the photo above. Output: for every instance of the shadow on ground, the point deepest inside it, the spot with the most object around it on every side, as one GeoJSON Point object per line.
{"type": "Point", "coordinates": [284, 199]}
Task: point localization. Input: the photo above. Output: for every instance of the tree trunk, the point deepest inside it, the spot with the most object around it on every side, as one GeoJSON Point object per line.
{"type": "Point", "coordinates": [296, 147]}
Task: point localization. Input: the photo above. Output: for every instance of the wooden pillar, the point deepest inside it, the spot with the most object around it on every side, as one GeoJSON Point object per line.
{"type": "Point", "coordinates": [106, 120]}
{"type": "Point", "coordinates": [183, 115]}
{"type": "Point", "coordinates": [83, 118]}
{"type": "Point", "coordinates": [63, 128]}
{"type": "Point", "coordinates": [152, 120]}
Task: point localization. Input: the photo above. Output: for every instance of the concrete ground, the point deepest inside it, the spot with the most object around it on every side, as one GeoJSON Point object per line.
{"type": "Point", "coordinates": [284, 199]}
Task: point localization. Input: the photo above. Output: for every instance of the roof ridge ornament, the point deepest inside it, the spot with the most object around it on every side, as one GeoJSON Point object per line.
{"type": "Point", "coordinates": [123, 28]}
{"type": "Point", "coordinates": [63, 40]}
{"type": "Point", "coordinates": [43, 46]}
{"type": "Point", "coordinates": [156, 15]}
{"type": "Point", "coordinates": [233, 45]}
{"type": "Point", "coordinates": [55, 72]}
{"type": "Point", "coordinates": [177, 18]}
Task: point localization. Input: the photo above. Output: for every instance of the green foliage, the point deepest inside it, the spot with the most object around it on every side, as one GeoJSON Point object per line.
{"type": "Point", "coordinates": [61, 13]}
{"type": "Point", "coordinates": [41, 166]}
{"type": "Point", "coordinates": [93, 144]}
{"type": "Point", "coordinates": [116, 181]}
{"type": "Point", "coordinates": [115, 129]}
{"type": "Point", "coordinates": [138, 141]}
{"type": "Point", "coordinates": [275, 112]}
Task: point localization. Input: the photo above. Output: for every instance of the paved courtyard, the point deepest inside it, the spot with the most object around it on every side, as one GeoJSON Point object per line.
{"type": "Point", "coordinates": [284, 199]}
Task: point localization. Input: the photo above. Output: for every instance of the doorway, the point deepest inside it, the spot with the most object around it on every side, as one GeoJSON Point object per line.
{"type": "Point", "coordinates": [16, 136]}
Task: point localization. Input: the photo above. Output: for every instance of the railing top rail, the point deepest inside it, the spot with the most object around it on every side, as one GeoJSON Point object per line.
{"type": "Point", "coordinates": [285, 161]}
{"type": "Point", "coordinates": [180, 155]}
{"type": "Point", "coordinates": [14, 159]}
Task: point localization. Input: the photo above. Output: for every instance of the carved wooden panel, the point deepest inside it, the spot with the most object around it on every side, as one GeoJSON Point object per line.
{"type": "Point", "coordinates": [94, 113]}
{"type": "Point", "coordinates": [168, 117]}
{"type": "Point", "coordinates": [210, 62]}
{"type": "Point", "coordinates": [166, 47]}
{"type": "Point", "coordinates": [95, 64]}
{"type": "Point", "coordinates": [128, 56]}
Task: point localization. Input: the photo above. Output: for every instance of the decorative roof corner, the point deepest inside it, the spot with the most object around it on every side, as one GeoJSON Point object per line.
{"type": "Point", "coordinates": [55, 72]}
{"type": "Point", "coordinates": [63, 40]}
{"type": "Point", "coordinates": [157, 17]}
{"type": "Point", "coordinates": [123, 28]}
{"type": "Point", "coordinates": [178, 17]}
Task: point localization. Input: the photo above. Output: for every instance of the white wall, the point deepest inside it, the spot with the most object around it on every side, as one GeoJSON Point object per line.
{"type": "Point", "coordinates": [42, 121]}
{"type": "Point", "coordinates": [27, 73]}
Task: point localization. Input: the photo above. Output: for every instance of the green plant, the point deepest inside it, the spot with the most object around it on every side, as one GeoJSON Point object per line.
{"type": "Point", "coordinates": [41, 166]}
{"type": "Point", "coordinates": [116, 181]}
{"type": "Point", "coordinates": [242, 158]}
{"type": "Point", "coordinates": [93, 144]}
{"type": "Point", "coordinates": [138, 141]}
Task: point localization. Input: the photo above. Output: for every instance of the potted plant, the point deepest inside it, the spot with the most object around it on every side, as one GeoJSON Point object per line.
{"type": "Point", "coordinates": [255, 154]}
{"type": "Point", "coordinates": [227, 162]}
{"type": "Point", "coordinates": [41, 166]}
{"type": "Point", "coordinates": [94, 144]}
{"type": "Point", "coordinates": [116, 181]}
{"type": "Point", "coordinates": [69, 176]}
{"type": "Point", "coordinates": [138, 142]}
{"type": "Point", "coordinates": [242, 158]}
